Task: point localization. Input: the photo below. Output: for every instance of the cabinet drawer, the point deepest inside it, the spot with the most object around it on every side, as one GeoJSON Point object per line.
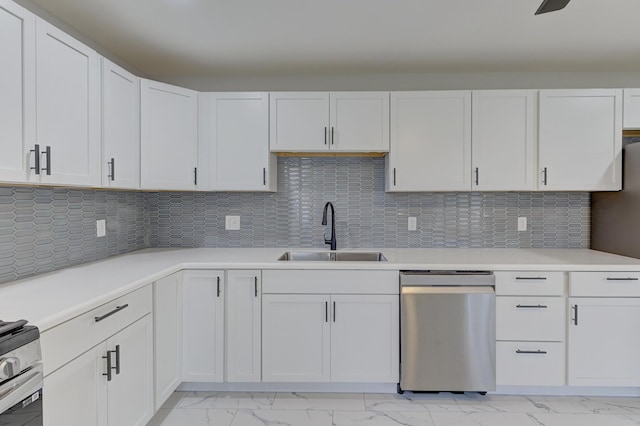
{"type": "Point", "coordinates": [530, 283]}
{"type": "Point", "coordinates": [604, 284]}
{"type": "Point", "coordinates": [330, 282]}
{"type": "Point", "coordinates": [530, 318]}
{"type": "Point", "coordinates": [530, 364]}
{"type": "Point", "coordinates": [63, 343]}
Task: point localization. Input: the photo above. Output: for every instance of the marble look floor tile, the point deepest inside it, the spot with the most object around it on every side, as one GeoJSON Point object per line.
{"type": "Point", "coordinates": [499, 404]}
{"type": "Point", "coordinates": [579, 419]}
{"type": "Point", "coordinates": [244, 400]}
{"type": "Point", "coordinates": [282, 418]}
{"type": "Point", "coordinates": [174, 400]}
{"type": "Point", "coordinates": [393, 402]}
{"type": "Point", "coordinates": [192, 417]}
{"type": "Point", "coordinates": [379, 418]}
{"type": "Point", "coordinates": [482, 419]}
{"type": "Point", "coordinates": [582, 404]}
{"type": "Point", "coordinates": [319, 401]}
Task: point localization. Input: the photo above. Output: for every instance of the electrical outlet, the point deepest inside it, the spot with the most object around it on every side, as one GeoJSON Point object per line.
{"type": "Point", "coordinates": [522, 224]}
{"type": "Point", "coordinates": [412, 223]}
{"type": "Point", "coordinates": [232, 223]}
{"type": "Point", "coordinates": [101, 228]}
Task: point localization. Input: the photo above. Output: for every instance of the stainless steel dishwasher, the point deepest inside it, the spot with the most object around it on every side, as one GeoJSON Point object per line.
{"type": "Point", "coordinates": [447, 331]}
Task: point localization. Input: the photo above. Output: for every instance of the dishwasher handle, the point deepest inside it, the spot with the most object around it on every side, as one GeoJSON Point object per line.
{"type": "Point", "coordinates": [418, 290]}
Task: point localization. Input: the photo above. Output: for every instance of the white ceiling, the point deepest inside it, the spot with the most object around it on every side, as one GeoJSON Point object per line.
{"type": "Point", "coordinates": [271, 37]}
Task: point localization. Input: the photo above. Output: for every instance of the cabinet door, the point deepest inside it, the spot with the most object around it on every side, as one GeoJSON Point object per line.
{"type": "Point", "coordinates": [120, 127]}
{"type": "Point", "coordinates": [243, 321]}
{"type": "Point", "coordinates": [503, 140]}
{"type": "Point", "coordinates": [202, 326]}
{"type": "Point", "coordinates": [235, 148]}
{"type": "Point", "coordinates": [299, 121]}
{"type": "Point", "coordinates": [68, 108]}
{"type": "Point", "coordinates": [295, 338]}
{"type": "Point", "coordinates": [168, 136]}
{"type": "Point", "coordinates": [365, 338]}
{"type": "Point", "coordinates": [167, 308]}
{"type": "Point", "coordinates": [430, 141]}
{"type": "Point", "coordinates": [359, 121]}
{"type": "Point", "coordinates": [631, 109]}
{"type": "Point", "coordinates": [17, 86]}
{"type": "Point", "coordinates": [602, 348]}
{"type": "Point", "coordinates": [580, 140]}
{"type": "Point", "coordinates": [130, 393]}
{"type": "Point", "coordinates": [76, 394]}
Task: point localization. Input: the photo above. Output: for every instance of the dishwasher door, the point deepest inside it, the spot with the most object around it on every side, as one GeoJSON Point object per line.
{"type": "Point", "coordinates": [448, 338]}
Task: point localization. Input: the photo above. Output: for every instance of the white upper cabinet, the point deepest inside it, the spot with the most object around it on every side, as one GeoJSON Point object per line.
{"type": "Point", "coordinates": [631, 109]}
{"type": "Point", "coordinates": [336, 121]}
{"type": "Point", "coordinates": [17, 102]}
{"type": "Point", "coordinates": [120, 127]}
{"type": "Point", "coordinates": [234, 142]}
{"type": "Point", "coordinates": [169, 137]}
{"type": "Point", "coordinates": [503, 140]}
{"type": "Point", "coordinates": [430, 141]}
{"type": "Point", "coordinates": [68, 108]}
{"type": "Point", "coordinates": [580, 140]}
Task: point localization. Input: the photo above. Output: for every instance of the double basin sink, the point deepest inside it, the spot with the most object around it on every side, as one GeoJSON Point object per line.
{"type": "Point", "coordinates": [332, 256]}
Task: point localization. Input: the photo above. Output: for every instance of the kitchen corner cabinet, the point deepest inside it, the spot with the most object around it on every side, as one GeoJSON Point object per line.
{"type": "Point", "coordinates": [430, 142]}
{"type": "Point", "coordinates": [17, 85]}
{"type": "Point", "coordinates": [120, 127]}
{"type": "Point", "coordinates": [81, 394]}
{"type": "Point", "coordinates": [504, 140]}
{"type": "Point", "coordinates": [580, 140]}
{"type": "Point", "coordinates": [167, 308]}
{"type": "Point", "coordinates": [631, 119]}
{"type": "Point", "coordinates": [234, 142]}
{"type": "Point", "coordinates": [334, 122]}
{"type": "Point", "coordinates": [604, 318]}
{"type": "Point", "coordinates": [202, 326]}
{"type": "Point", "coordinates": [168, 137]}
{"type": "Point", "coordinates": [67, 109]}
{"type": "Point", "coordinates": [243, 299]}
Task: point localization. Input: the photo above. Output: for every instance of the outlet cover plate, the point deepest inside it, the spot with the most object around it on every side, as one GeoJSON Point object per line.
{"type": "Point", "coordinates": [101, 227]}
{"type": "Point", "coordinates": [522, 224]}
{"type": "Point", "coordinates": [412, 223]}
{"type": "Point", "coordinates": [232, 223]}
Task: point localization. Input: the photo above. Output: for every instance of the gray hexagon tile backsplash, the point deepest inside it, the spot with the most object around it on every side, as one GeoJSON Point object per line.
{"type": "Point", "coordinates": [44, 229]}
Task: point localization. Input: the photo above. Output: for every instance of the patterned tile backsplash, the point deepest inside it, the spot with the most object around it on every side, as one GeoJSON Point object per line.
{"type": "Point", "coordinates": [44, 229]}
{"type": "Point", "coordinates": [366, 216]}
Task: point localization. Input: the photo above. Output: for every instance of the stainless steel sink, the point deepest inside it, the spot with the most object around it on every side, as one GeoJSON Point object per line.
{"type": "Point", "coordinates": [328, 256]}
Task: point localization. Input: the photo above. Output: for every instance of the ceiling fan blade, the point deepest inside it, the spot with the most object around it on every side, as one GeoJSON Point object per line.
{"type": "Point", "coordinates": [551, 6]}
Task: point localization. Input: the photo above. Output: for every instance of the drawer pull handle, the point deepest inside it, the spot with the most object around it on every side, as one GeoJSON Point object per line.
{"type": "Point", "coordinates": [531, 278]}
{"type": "Point", "coordinates": [538, 352]}
{"type": "Point", "coordinates": [108, 314]}
{"type": "Point", "coordinates": [532, 306]}
{"type": "Point", "coordinates": [622, 279]}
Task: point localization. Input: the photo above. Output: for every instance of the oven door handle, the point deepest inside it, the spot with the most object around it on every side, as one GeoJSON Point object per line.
{"type": "Point", "coordinates": [23, 386]}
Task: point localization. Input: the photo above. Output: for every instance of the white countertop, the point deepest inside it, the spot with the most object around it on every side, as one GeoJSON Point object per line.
{"type": "Point", "coordinates": [50, 299]}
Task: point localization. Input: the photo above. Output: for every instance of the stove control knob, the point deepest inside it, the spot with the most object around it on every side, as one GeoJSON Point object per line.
{"type": "Point", "coordinates": [9, 367]}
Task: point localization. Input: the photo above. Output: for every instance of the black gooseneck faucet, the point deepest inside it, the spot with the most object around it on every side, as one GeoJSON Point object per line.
{"type": "Point", "coordinates": [331, 241]}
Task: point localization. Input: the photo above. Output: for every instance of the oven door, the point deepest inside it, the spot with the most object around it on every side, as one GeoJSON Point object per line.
{"type": "Point", "coordinates": [21, 399]}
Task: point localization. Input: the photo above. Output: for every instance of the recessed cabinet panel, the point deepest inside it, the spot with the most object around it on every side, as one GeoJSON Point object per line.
{"type": "Point", "coordinates": [503, 140]}
{"type": "Point", "coordinates": [17, 84]}
{"type": "Point", "coordinates": [580, 140]}
{"type": "Point", "coordinates": [430, 141]}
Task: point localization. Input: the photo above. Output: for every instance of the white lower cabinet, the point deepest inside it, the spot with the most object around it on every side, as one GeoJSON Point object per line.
{"type": "Point", "coordinates": [167, 308]}
{"type": "Point", "coordinates": [202, 326]}
{"type": "Point", "coordinates": [243, 325]}
{"type": "Point", "coordinates": [337, 338]}
{"type": "Point", "coordinates": [530, 363]}
{"type": "Point", "coordinates": [85, 392]}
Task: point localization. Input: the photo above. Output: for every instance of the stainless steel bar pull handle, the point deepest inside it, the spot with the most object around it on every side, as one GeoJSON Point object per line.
{"type": "Point", "coordinates": [334, 311]}
{"type": "Point", "coordinates": [109, 367]}
{"type": "Point", "coordinates": [195, 175]}
{"type": "Point", "coordinates": [112, 168]}
{"type": "Point", "coordinates": [255, 285]}
{"type": "Point", "coordinates": [117, 352]}
{"type": "Point", "coordinates": [532, 306]}
{"type": "Point", "coordinates": [36, 160]}
{"type": "Point", "coordinates": [622, 279]}
{"type": "Point", "coordinates": [325, 135]}
{"type": "Point", "coordinates": [531, 278]}
{"type": "Point", "coordinates": [574, 308]}
{"type": "Point", "coordinates": [47, 152]}
{"type": "Point", "coordinates": [218, 287]}
{"type": "Point", "coordinates": [477, 177]}
{"type": "Point", "coordinates": [264, 175]}
{"type": "Point", "coordinates": [518, 351]}
{"type": "Point", "coordinates": [108, 314]}
{"type": "Point", "coordinates": [332, 138]}
{"type": "Point", "coordinates": [394, 176]}
{"type": "Point", "coordinates": [544, 176]}
{"type": "Point", "coordinates": [326, 311]}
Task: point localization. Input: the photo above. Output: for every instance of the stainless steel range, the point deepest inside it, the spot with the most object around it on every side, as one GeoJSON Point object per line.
{"type": "Point", "coordinates": [20, 375]}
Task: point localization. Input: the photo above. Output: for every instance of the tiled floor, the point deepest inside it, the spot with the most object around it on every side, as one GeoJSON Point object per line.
{"type": "Point", "coordinates": [349, 409]}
